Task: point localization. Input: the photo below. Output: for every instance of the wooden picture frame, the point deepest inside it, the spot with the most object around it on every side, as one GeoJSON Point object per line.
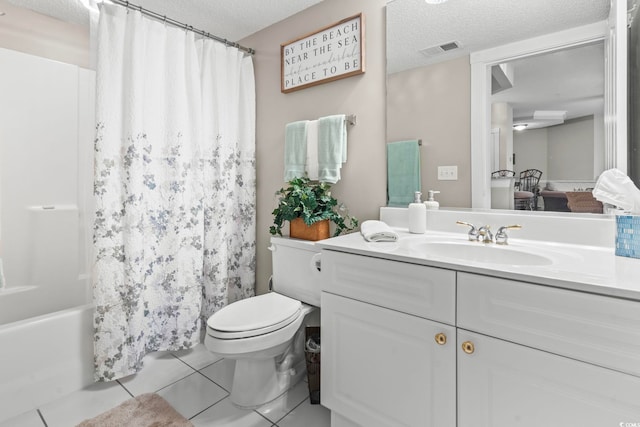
{"type": "Point", "coordinates": [330, 53]}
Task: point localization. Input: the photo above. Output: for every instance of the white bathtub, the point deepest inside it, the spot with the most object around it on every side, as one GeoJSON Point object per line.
{"type": "Point", "coordinates": [45, 358]}
{"type": "Point", "coordinates": [46, 328]}
{"type": "Point", "coordinates": [26, 302]}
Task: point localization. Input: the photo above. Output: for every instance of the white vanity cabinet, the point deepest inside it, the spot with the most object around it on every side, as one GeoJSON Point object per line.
{"type": "Point", "coordinates": [531, 355]}
{"type": "Point", "coordinates": [502, 384]}
{"type": "Point", "coordinates": [516, 354]}
{"type": "Point", "coordinates": [384, 362]}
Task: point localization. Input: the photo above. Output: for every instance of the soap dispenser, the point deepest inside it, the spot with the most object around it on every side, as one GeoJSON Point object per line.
{"type": "Point", "coordinates": [432, 203]}
{"type": "Point", "coordinates": [417, 215]}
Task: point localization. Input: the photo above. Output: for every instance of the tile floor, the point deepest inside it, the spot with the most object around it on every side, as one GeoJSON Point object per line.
{"type": "Point", "coordinates": [194, 382]}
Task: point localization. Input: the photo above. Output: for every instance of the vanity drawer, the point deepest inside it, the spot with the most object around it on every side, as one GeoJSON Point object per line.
{"type": "Point", "coordinates": [592, 328]}
{"type": "Point", "coordinates": [414, 289]}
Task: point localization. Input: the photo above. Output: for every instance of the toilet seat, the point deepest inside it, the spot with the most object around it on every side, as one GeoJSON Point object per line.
{"type": "Point", "coordinates": [254, 316]}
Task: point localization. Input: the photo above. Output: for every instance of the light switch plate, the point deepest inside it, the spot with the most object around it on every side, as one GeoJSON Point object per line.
{"type": "Point", "coordinates": [447, 173]}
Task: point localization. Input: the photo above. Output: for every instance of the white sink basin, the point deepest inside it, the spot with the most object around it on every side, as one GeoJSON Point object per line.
{"type": "Point", "coordinates": [479, 253]}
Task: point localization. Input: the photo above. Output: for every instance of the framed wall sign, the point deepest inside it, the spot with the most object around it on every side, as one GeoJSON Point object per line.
{"type": "Point", "coordinates": [328, 54]}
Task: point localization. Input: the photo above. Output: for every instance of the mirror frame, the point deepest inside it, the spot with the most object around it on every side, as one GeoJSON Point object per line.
{"type": "Point", "coordinates": [481, 63]}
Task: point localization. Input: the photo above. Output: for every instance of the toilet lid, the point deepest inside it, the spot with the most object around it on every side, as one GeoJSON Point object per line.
{"type": "Point", "coordinates": [255, 316]}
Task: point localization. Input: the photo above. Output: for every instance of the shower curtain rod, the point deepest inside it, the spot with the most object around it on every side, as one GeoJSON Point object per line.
{"type": "Point", "coordinates": [173, 22]}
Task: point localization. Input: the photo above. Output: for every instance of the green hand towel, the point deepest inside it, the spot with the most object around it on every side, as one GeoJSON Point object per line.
{"type": "Point", "coordinates": [403, 172]}
{"type": "Point", "coordinates": [295, 149]}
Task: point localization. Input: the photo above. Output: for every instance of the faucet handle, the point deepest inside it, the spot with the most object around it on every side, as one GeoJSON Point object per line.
{"type": "Point", "coordinates": [473, 232]}
{"type": "Point", "coordinates": [501, 235]}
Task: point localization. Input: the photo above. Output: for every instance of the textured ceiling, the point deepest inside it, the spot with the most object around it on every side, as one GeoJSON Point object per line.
{"type": "Point", "coordinates": [230, 19]}
{"type": "Point", "coordinates": [413, 25]}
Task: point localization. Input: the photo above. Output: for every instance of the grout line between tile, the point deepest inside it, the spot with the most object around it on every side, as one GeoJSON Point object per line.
{"type": "Point", "coordinates": [204, 367]}
{"type": "Point", "coordinates": [219, 385]}
{"type": "Point", "coordinates": [212, 363]}
{"type": "Point", "coordinates": [165, 386]}
{"type": "Point", "coordinates": [213, 382]}
{"type": "Point", "coordinates": [256, 411]}
{"type": "Point", "coordinates": [125, 389]}
{"type": "Point", "coordinates": [293, 409]}
{"type": "Point", "coordinates": [193, 367]}
{"type": "Point", "coordinates": [178, 357]}
{"type": "Point", "coordinates": [176, 381]}
{"type": "Point", "coordinates": [209, 379]}
{"type": "Point", "coordinates": [42, 418]}
{"type": "Point", "coordinates": [206, 377]}
{"type": "Point", "coordinates": [210, 406]}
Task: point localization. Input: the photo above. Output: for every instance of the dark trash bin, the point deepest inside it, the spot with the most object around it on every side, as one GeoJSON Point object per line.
{"type": "Point", "coordinates": [312, 357]}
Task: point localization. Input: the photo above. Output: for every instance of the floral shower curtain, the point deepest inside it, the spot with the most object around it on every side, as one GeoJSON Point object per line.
{"type": "Point", "coordinates": [174, 230]}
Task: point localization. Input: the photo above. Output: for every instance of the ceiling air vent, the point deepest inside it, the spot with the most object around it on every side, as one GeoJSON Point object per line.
{"type": "Point", "coordinates": [436, 50]}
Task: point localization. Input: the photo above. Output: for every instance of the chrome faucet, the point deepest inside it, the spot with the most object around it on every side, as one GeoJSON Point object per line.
{"type": "Point", "coordinates": [486, 236]}
{"type": "Point", "coordinates": [473, 232]}
{"type": "Point", "coordinates": [501, 235]}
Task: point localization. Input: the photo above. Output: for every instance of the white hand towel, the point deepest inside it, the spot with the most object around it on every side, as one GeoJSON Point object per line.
{"type": "Point", "coordinates": [332, 147]}
{"type": "Point", "coordinates": [312, 150]}
{"type": "Point", "coordinates": [377, 231]}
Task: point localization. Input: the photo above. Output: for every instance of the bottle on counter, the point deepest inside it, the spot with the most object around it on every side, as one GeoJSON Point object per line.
{"type": "Point", "coordinates": [431, 202]}
{"type": "Point", "coordinates": [417, 215]}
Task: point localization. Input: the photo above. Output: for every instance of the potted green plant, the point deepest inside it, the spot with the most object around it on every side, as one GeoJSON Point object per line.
{"type": "Point", "coordinates": [309, 207]}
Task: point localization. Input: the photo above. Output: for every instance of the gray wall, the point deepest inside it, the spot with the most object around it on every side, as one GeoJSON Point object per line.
{"type": "Point", "coordinates": [530, 148]}
{"type": "Point", "coordinates": [433, 103]}
{"type": "Point", "coordinates": [363, 184]}
{"type": "Point", "coordinates": [567, 143]}
{"type": "Point", "coordinates": [562, 152]}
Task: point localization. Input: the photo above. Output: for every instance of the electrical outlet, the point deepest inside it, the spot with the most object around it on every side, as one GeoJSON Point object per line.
{"type": "Point", "coordinates": [447, 173]}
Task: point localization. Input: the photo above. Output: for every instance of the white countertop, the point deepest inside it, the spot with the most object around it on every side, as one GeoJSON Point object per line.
{"type": "Point", "coordinates": [578, 267]}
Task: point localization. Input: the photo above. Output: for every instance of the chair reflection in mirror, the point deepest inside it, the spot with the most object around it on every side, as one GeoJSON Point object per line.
{"type": "Point", "coordinates": [502, 188]}
{"type": "Point", "coordinates": [527, 190]}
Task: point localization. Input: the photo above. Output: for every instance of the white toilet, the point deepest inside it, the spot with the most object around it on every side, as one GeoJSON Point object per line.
{"type": "Point", "coordinates": [265, 333]}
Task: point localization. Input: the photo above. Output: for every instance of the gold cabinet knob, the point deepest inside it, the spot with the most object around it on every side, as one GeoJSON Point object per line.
{"type": "Point", "coordinates": [441, 338]}
{"type": "Point", "coordinates": [468, 347]}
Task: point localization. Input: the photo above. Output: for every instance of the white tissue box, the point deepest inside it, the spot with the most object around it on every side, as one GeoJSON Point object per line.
{"type": "Point", "coordinates": [628, 235]}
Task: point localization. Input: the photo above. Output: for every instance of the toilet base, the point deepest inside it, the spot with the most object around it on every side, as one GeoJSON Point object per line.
{"type": "Point", "coordinates": [273, 384]}
{"type": "Point", "coordinates": [258, 381]}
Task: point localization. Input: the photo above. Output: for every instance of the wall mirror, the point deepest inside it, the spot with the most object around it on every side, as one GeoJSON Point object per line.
{"type": "Point", "coordinates": [586, 42]}
{"type": "Point", "coordinates": [549, 119]}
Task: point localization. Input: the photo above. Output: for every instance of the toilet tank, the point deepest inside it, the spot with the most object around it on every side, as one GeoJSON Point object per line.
{"type": "Point", "coordinates": [295, 273]}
